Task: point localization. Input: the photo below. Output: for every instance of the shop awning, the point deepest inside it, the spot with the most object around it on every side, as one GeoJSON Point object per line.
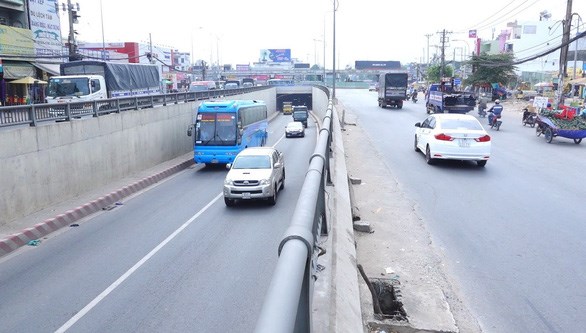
{"type": "Point", "coordinates": [52, 69]}
{"type": "Point", "coordinates": [17, 69]}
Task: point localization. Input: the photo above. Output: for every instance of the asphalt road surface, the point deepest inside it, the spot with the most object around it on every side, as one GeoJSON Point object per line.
{"type": "Point", "coordinates": [511, 233]}
{"type": "Point", "coordinates": [172, 258]}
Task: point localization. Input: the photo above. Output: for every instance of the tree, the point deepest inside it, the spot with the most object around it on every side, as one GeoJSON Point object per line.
{"type": "Point", "coordinates": [433, 72]}
{"type": "Point", "coordinates": [491, 68]}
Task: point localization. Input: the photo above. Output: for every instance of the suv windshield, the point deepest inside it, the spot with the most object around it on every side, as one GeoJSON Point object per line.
{"type": "Point", "coordinates": [252, 162]}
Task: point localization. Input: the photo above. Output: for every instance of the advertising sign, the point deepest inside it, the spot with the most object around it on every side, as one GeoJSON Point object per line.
{"type": "Point", "coordinates": [16, 41]}
{"type": "Point", "coordinates": [46, 28]}
{"type": "Point", "coordinates": [275, 55]}
{"type": "Point", "coordinates": [376, 65]}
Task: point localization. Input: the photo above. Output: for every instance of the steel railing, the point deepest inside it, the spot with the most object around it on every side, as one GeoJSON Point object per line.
{"type": "Point", "coordinates": [287, 305]}
{"type": "Point", "coordinates": [32, 114]}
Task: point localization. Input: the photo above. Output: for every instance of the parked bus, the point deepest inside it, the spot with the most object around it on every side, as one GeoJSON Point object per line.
{"type": "Point", "coordinates": [280, 82]}
{"type": "Point", "coordinates": [224, 128]}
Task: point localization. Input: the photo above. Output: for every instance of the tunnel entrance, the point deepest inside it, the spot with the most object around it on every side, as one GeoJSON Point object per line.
{"type": "Point", "coordinates": [295, 99]}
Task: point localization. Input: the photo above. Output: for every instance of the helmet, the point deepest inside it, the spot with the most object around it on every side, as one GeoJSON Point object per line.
{"type": "Point", "coordinates": [497, 101]}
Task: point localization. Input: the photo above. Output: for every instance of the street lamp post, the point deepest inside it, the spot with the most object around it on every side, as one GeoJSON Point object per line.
{"type": "Point", "coordinates": [103, 39]}
{"type": "Point", "coordinates": [334, 54]}
{"type": "Point", "coordinates": [576, 42]}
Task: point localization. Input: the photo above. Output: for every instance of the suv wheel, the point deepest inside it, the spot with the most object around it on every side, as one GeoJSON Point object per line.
{"type": "Point", "coordinates": [273, 199]}
{"type": "Point", "coordinates": [283, 181]}
{"type": "Point", "coordinates": [229, 202]}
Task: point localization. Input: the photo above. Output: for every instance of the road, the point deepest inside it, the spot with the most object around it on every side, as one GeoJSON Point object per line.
{"type": "Point", "coordinates": [511, 233]}
{"type": "Point", "coordinates": [171, 258]}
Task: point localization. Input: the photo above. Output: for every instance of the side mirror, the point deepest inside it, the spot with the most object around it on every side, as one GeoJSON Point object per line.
{"type": "Point", "coordinates": [417, 124]}
{"type": "Point", "coordinates": [228, 166]}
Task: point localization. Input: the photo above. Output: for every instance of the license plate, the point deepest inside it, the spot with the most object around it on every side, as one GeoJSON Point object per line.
{"type": "Point", "coordinates": [464, 143]}
{"type": "Point", "coordinates": [246, 195]}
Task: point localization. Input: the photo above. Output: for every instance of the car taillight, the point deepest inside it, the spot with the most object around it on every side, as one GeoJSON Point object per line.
{"type": "Point", "coordinates": [485, 138]}
{"type": "Point", "coordinates": [443, 137]}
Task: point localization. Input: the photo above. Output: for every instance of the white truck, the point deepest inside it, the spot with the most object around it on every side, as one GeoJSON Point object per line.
{"type": "Point", "coordinates": [82, 81]}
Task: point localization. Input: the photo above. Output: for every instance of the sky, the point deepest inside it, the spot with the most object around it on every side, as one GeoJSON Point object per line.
{"type": "Point", "coordinates": [234, 31]}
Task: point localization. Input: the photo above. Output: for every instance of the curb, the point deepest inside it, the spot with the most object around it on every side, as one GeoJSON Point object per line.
{"type": "Point", "coordinates": [48, 226]}
{"type": "Point", "coordinates": [336, 304]}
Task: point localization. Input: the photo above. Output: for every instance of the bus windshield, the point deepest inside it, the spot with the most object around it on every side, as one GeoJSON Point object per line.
{"type": "Point", "coordinates": [225, 128]}
{"type": "Point", "coordinates": [216, 129]}
{"type": "Point", "coordinates": [58, 87]}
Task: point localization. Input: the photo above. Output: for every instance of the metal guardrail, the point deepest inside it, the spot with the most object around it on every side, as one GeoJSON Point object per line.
{"type": "Point", "coordinates": [33, 114]}
{"type": "Point", "coordinates": [287, 305]}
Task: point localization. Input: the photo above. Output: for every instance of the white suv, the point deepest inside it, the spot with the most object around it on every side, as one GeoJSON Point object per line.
{"type": "Point", "coordinates": [256, 173]}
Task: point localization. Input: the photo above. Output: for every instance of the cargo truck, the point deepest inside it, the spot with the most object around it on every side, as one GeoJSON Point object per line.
{"type": "Point", "coordinates": [393, 88]}
{"type": "Point", "coordinates": [81, 81]}
{"type": "Point", "coordinates": [444, 98]}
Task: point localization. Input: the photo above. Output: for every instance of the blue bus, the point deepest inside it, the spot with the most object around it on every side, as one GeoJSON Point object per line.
{"type": "Point", "coordinates": [224, 128]}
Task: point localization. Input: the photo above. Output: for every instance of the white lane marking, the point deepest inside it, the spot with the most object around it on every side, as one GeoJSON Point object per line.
{"type": "Point", "coordinates": [129, 272]}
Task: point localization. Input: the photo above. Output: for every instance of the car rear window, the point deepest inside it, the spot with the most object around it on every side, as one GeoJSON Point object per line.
{"type": "Point", "coordinates": [471, 124]}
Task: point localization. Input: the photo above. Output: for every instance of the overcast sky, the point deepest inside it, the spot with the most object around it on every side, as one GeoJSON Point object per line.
{"type": "Point", "coordinates": [234, 31]}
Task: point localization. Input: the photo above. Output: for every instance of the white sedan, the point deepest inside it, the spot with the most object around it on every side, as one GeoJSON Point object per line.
{"type": "Point", "coordinates": [454, 137]}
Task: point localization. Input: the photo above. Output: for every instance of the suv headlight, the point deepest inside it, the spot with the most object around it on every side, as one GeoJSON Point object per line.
{"type": "Point", "coordinates": [264, 181]}
{"type": "Point", "coordinates": [228, 181]}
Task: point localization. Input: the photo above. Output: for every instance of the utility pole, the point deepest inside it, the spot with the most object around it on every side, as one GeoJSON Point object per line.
{"type": "Point", "coordinates": [564, 51]}
{"type": "Point", "coordinates": [72, 15]}
{"type": "Point", "coordinates": [443, 49]}
{"type": "Point", "coordinates": [427, 60]}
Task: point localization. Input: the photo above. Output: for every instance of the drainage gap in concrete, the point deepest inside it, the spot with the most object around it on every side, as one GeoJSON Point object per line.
{"type": "Point", "coordinates": [388, 297]}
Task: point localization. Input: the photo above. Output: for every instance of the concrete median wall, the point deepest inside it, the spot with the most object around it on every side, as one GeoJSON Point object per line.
{"type": "Point", "coordinates": [51, 163]}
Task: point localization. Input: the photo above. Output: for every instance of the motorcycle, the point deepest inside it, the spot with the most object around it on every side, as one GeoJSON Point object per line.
{"type": "Point", "coordinates": [414, 99]}
{"type": "Point", "coordinates": [529, 118]}
{"type": "Point", "coordinates": [481, 111]}
{"type": "Point", "coordinates": [496, 122]}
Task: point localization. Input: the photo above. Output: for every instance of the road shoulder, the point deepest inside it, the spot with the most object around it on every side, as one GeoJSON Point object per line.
{"type": "Point", "coordinates": [399, 250]}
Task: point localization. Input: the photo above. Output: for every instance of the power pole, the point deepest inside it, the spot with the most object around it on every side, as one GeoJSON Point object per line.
{"type": "Point", "coordinates": [427, 60]}
{"type": "Point", "coordinates": [564, 51]}
{"type": "Point", "coordinates": [72, 15]}
{"type": "Point", "coordinates": [443, 48]}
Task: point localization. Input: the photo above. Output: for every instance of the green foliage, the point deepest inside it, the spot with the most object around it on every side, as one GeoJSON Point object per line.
{"type": "Point", "coordinates": [491, 68]}
{"type": "Point", "coordinates": [433, 72]}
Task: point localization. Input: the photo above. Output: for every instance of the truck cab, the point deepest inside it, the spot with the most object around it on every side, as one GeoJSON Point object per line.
{"type": "Point", "coordinates": [287, 107]}
{"type": "Point", "coordinates": [300, 114]}
{"type": "Point", "coordinates": [75, 88]}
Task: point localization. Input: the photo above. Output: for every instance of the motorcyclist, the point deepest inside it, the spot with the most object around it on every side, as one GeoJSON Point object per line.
{"type": "Point", "coordinates": [414, 95]}
{"type": "Point", "coordinates": [528, 110]}
{"type": "Point", "coordinates": [495, 111]}
{"type": "Point", "coordinates": [482, 105]}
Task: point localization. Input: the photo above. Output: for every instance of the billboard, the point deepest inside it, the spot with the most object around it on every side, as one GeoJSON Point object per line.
{"type": "Point", "coordinates": [301, 65]}
{"type": "Point", "coordinates": [376, 65]}
{"type": "Point", "coordinates": [275, 55]}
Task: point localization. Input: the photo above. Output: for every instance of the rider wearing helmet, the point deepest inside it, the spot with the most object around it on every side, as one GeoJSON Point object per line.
{"type": "Point", "coordinates": [495, 111]}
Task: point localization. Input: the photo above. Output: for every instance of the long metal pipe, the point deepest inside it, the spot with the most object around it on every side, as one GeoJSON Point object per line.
{"type": "Point", "coordinates": [287, 305]}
